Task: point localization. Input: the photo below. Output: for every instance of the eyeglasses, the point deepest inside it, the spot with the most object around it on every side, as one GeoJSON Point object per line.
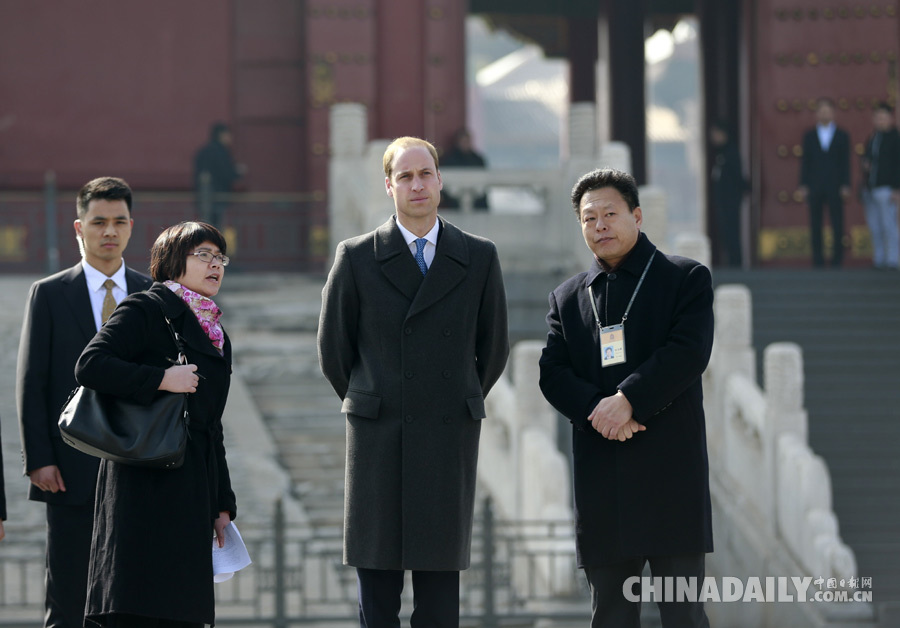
{"type": "Point", "coordinates": [206, 257]}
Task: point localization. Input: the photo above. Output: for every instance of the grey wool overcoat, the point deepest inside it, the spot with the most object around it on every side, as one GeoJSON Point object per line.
{"type": "Point", "coordinates": [412, 358]}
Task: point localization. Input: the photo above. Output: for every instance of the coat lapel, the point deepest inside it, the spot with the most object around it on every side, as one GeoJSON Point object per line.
{"type": "Point", "coordinates": [75, 291]}
{"type": "Point", "coordinates": [399, 269]}
{"type": "Point", "coordinates": [451, 258]}
{"type": "Point", "coordinates": [135, 282]}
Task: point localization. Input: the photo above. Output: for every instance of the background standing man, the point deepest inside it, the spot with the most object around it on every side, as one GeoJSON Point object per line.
{"type": "Point", "coordinates": [881, 189]}
{"type": "Point", "coordinates": [728, 187]}
{"type": "Point", "coordinates": [412, 336]}
{"type": "Point", "coordinates": [639, 433]}
{"type": "Point", "coordinates": [63, 313]}
{"type": "Point", "coordinates": [214, 160]}
{"type": "Point", "coordinates": [825, 180]}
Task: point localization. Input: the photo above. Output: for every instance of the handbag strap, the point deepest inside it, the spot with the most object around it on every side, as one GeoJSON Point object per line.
{"type": "Point", "coordinates": [181, 359]}
{"type": "Point", "coordinates": [178, 344]}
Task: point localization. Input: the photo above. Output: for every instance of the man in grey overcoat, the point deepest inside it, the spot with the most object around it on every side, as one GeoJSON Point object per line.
{"type": "Point", "coordinates": [412, 336]}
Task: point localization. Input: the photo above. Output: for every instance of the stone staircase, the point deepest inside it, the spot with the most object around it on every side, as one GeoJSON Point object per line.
{"type": "Point", "coordinates": [846, 322]}
{"type": "Point", "coordinates": [275, 352]}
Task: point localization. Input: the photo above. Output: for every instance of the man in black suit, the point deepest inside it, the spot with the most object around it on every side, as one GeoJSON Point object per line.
{"type": "Point", "coordinates": [825, 180]}
{"type": "Point", "coordinates": [639, 435]}
{"type": "Point", "coordinates": [63, 313]}
{"type": "Point", "coordinates": [412, 336]}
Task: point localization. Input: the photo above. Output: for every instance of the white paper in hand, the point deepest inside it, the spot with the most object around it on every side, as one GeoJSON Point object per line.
{"type": "Point", "coordinates": [230, 558]}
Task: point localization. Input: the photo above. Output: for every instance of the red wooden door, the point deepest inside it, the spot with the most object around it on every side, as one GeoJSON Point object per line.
{"type": "Point", "coordinates": [845, 50]}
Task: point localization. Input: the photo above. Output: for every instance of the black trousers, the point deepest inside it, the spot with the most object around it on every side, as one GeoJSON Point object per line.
{"type": "Point", "coordinates": [435, 598]}
{"type": "Point", "coordinates": [69, 531]}
{"type": "Point", "coordinates": [611, 609]}
{"type": "Point", "coordinates": [817, 201]}
{"type": "Point", "coordinates": [122, 620]}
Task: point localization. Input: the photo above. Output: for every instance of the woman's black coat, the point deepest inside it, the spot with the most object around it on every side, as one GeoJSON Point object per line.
{"type": "Point", "coordinates": [152, 548]}
{"type": "Point", "coordinates": [649, 495]}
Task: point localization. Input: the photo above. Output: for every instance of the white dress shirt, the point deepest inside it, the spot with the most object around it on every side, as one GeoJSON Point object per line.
{"type": "Point", "coordinates": [430, 246]}
{"type": "Point", "coordinates": [826, 134]}
{"type": "Point", "coordinates": [96, 290]}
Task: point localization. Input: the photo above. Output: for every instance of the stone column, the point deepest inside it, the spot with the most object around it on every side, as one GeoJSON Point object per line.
{"type": "Point", "coordinates": [582, 131]}
{"type": "Point", "coordinates": [378, 205]}
{"type": "Point", "coordinates": [653, 208]}
{"type": "Point", "coordinates": [346, 198]}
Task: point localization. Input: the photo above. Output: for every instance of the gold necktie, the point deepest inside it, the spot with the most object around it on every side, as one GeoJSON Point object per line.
{"type": "Point", "coordinates": [109, 302]}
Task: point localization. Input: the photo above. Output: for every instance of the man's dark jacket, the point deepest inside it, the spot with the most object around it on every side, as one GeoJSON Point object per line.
{"type": "Point", "coordinates": [886, 162]}
{"type": "Point", "coordinates": [825, 171]}
{"type": "Point", "coordinates": [58, 324]}
{"type": "Point", "coordinates": [648, 495]}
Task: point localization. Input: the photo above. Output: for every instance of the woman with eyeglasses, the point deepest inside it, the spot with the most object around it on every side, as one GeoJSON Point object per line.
{"type": "Point", "coordinates": [151, 555]}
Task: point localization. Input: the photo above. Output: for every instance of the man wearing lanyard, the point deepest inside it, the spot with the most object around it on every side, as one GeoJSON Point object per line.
{"type": "Point", "coordinates": [639, 437]}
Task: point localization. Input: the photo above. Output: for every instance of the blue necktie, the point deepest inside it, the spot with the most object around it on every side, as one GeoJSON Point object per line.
{"type": "Point", "coordinates": [420, 254]}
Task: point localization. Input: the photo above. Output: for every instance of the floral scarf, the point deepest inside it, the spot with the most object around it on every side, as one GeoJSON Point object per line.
{"type": "Point", "coordinates": [206, 311]}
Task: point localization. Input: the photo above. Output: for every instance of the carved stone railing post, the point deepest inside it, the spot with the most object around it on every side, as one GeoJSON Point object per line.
{"type": "Point", "coordinates": [733, 353]}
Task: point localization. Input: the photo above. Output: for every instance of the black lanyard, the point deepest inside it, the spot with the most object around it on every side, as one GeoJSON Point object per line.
{"type": "Point", "coordinates": [633, 295]}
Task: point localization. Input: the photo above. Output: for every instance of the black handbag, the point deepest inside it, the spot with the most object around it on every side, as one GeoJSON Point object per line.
{"type": "Point", "coordinates": [152, 435]}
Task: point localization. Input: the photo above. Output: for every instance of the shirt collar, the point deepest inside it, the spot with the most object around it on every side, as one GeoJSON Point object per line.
{"type": "Point", "coordinates": [95, 278]}
{"type": "Point", "coordinates": [634, 262]}
{"type": "Point", "coordinates": [410, 237]}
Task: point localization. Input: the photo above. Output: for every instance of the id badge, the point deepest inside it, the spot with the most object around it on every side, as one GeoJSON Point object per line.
{"type": "Point", "coordinates": [612, 345]}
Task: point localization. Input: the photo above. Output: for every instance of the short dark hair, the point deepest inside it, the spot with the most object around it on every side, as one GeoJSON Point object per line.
{"type": "Point", "coordinates": [216, 130]}
{"type": "Point", "coordinates": [103, 188]}
{"type": "Point", "coordinates": [621, 181]}
{"type": "Point", "coordinates": [825, 100]}
{"type": "Point", "coordinates": [884, 106]}
{"type": "Point", "coordinates": [168, 256]}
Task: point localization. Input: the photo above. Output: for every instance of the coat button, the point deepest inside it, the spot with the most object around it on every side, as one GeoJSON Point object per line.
{"type": "Point", "coordinates": [409, 374]}
{"type": "Point", "coordinates": [447, 333]}
{"type": "Point", "coordinates": [446, 374]}
{"type": "Point", "coordinates": [407, 331]}
{"type": "Point", "coordinates": [409, 418]}
{"type": "Point", "coordinates": [612, 276]}
{"type": "Point", "coordinates": [446, 418]}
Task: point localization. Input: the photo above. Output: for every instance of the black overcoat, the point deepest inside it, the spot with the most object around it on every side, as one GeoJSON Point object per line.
{"type": "Point", "coordinates": [412, 358]}
{"type": "Point", "coordinates": [648, 495]}
{"type": "Point", "coordinates": [57, 325]}
{"type": "Point", "coordinates": [152, 549]}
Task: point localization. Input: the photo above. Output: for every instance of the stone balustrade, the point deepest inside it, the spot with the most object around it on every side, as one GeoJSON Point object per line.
{"type": "Point", "coordinates": [523, 470]}
{"type": "Point", "coordinates": [771, 493]}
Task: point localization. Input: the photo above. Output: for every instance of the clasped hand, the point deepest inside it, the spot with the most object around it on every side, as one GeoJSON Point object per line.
{"type": "Point", "coordinates": [181, 378]}
{"type": "Point", "coordinates": [612, 418]}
